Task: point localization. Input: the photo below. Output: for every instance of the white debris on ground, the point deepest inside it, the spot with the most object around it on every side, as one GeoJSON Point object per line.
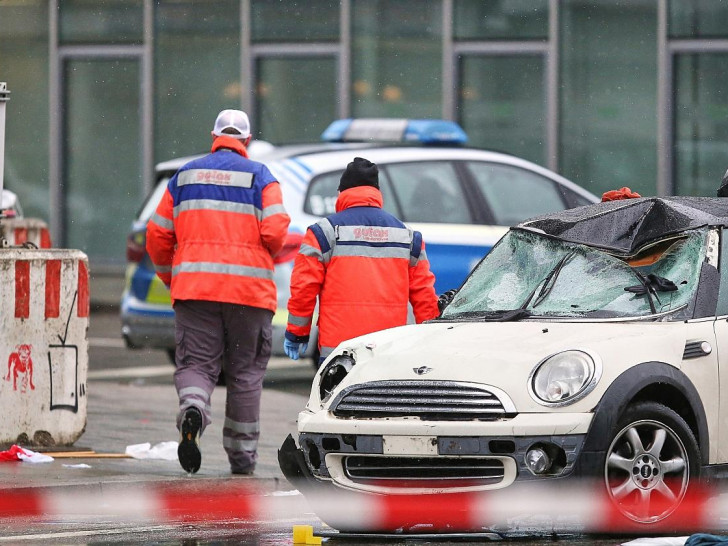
{"type": "Point", "coordinates": [162, 450]}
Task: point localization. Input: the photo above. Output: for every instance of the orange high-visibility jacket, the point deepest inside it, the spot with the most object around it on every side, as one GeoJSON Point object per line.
{"type": "Point", "coordinates": [219, 224]}
{"type": "Point", "coordinates": [364, 265]}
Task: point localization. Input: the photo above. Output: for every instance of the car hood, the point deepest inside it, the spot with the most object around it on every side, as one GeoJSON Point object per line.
{"type": "Point", "coordinates": [504, 354]}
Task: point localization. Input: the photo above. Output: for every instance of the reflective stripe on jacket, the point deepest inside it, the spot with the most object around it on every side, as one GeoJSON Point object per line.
{"type": "Point", "coordinates": [219, 224]}
{"type": "Point", "coordinates": [365, 266]}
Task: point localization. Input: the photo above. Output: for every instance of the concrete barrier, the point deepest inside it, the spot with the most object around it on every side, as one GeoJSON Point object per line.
{"type": "Point", "coordinates": [18, 231]}
{"type": "Point", "coordinates": [44, 317]}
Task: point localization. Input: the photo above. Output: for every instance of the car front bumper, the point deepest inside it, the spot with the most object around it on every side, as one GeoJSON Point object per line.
{"type": "Point", "coordinates": [495, 451]}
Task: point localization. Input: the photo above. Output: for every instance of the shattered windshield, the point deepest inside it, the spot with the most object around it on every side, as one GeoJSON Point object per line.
{"type": "Point", "coordinates": [529, 274]}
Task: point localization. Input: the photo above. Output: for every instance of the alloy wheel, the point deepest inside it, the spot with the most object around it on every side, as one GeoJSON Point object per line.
{"type": "Point", "coordinates": [647, 471]}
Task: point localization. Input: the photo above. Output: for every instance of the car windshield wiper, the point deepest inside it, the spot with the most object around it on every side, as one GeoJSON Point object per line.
{"type": "Point", "coordinates": [507, 315]}
{"type": "Point", "coordinates": [649, 286]}
{"type": "Point", "coordinates": [644, 289]}
{"type": "Point", "coordinates": [548, 282]}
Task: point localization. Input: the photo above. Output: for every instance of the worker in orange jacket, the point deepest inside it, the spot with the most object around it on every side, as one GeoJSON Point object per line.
{"type": "Point", "coordinates": [212, 240]}
{"type": "Point", "coordinates": [363, 264]}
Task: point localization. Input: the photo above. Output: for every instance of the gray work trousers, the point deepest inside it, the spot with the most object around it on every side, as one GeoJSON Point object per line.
{"type": "Point", "coordinates": [211, 336]}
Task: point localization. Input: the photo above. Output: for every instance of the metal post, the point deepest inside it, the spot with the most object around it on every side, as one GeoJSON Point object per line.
{"type": "Point", "coordinates": [4, 97]}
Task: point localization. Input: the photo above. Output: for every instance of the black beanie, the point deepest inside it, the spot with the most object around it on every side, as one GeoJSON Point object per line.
{"type": "Point", "coordinates": [360, 172]}
{"type": "Point", "coordinates": [723, 190]}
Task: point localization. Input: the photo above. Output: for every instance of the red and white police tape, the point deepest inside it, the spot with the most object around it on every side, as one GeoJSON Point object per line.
{"type": "Point", "coordinates": [573, 508]}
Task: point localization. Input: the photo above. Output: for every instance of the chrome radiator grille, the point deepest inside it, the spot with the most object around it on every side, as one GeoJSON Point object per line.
{"type": "Point", "coordinates": [416, 471]}
{"type": "Point", "coordinates": [430, 400]}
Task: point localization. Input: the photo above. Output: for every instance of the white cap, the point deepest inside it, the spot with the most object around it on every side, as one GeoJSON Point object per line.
{"type": "Point", "coordinates": [232, 119]}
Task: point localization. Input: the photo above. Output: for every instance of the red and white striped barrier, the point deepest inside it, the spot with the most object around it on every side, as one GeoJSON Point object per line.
{"type": "Point", "coordinates": [44, 315]}
{"type": "Point", "coordinates": [20, 231]}
{"type": "Point", "coordinates": [570, 509]}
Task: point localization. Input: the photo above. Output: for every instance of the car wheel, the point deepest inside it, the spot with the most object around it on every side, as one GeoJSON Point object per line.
{"type": "Point", "coordinates": [651, 462]}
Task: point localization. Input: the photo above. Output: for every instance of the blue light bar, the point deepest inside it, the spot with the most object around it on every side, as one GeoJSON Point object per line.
{"type": "Point", "coordinates": [412, 131]}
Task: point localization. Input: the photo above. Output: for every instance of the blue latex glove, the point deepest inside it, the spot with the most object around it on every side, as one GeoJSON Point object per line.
{"type": "Point", "coordinates": [293, 349]}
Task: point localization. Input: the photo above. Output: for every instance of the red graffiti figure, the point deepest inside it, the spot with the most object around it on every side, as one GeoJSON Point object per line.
{"type": "Point", "coordinates": [20, 363]}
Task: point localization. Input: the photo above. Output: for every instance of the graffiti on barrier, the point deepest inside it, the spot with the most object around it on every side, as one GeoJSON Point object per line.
{"type": "Point", "coordinates": [20, 366]}
{"type": "Point", "coordinates": [63, 364]}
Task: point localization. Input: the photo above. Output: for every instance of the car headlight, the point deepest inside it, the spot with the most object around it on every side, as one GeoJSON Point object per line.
{"type": "Point", "coordinates": [334, 373]}
{"type": "Point", "coordinates": [564, 378]}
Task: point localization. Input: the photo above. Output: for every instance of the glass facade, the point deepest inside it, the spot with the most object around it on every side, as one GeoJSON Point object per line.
{"type": "Point", "coordinates": [503, 20]}
{"type": "Point", "coordinates": [698, 19]}
{"type": "Point", "coordinates": [283, 86]}
{"type": "Point", "coordinates": [102, 175]}
{"type": "Point", "coordinates": [701, 123]}
{"type": "Point", "coordinates": [24, 66]}
{"type": "Point", "coordinates": [396, 56]}
{"type": "Point", "coordinates": [502, 103]}
{"type": "Point", "coordinates": [108, 22]}
{"type": "Point", "coordinates": [296, 21]}
{"type": "Point", "coordinates": [608, 123]}
{"type": "Point", "coordinates": [608, 93]}
{"type": "Point", "coordinates": [196, 71]}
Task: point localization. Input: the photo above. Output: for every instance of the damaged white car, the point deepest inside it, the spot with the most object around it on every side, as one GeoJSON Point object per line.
{"type": "Point", "coordinates": [587, 343]}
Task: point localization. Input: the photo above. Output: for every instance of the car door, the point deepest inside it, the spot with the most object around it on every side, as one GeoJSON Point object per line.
{"type": "Point", "coordinates": [513, 194]}
{"type": "Point", "coordinates": [431, 197]}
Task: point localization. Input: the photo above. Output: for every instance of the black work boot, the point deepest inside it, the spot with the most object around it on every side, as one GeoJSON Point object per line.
{"type": "Point", "coordinates": [188, 451]}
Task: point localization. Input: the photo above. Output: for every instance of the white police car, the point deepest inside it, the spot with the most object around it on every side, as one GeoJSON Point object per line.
{"type": "Point", "coordinates": [461, 199]}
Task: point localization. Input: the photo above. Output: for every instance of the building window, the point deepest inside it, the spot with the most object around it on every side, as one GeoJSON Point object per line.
{"type": "Point", "coordinates": [102, 167]}
{"type": "Point", "coordinates": [501, 52]}
{"type": "Point", "coordinates": [503, 20]}
{"type": "Point", "coordinates": [197, 72]}
{"type": "Point", "coordinates": [24, 67]}
{"type": "Point", "coordinates": [502, 103]}
{"type": "Point", "coordinates": [608, 125]}
{"type": "Point", "coordinates": [698, 19]}
{"type": "Point", "coordinates": [701, 122]}
{"type": "Point", "coordinates": [295, 98]}
{"type": "Point", "coordinates": [294, 21]}
{"type": "Point", "coordinates": [396, 54]}
{"type": "Point", "coordinates": [108, 22]}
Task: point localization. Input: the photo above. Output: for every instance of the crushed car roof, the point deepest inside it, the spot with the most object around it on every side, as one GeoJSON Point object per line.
{"type": "Point", "coordinates": [627, 225]}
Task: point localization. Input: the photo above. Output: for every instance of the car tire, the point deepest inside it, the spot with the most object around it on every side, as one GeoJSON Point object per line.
{"type": "Point", "coordinates": [652, 461]}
